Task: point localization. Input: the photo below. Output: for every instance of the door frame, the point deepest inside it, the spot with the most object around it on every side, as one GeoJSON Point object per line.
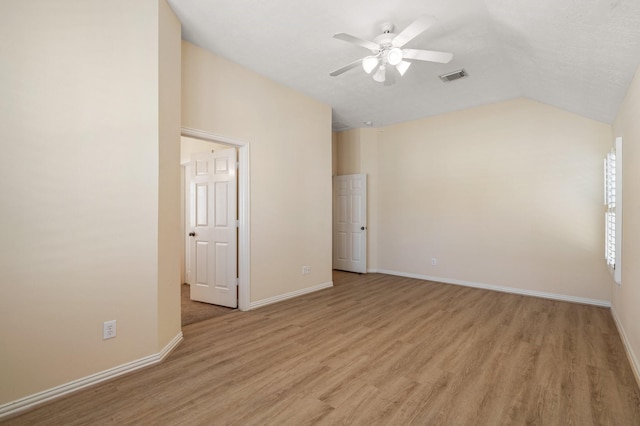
{"type": "Point", "coordinates": [244, 241]}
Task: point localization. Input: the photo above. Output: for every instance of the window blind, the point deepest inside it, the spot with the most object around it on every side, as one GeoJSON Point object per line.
{"type": "Point", "coordinates": [610, 203]}
{"type": "Point", "coordinates": [613, 210]}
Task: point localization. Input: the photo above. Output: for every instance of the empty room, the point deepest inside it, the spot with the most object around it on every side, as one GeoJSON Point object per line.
{"type": "Point", "coordinates": [411, 212]}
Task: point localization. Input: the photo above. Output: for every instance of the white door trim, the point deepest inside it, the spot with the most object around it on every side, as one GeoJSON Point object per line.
{"type": "Point", "coordinates": [244, 248]}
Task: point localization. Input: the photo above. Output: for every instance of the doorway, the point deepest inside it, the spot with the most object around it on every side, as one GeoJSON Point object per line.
{"type": "Point", "coordinates": [211, 222]}
{"type": "Point", "coordinates": [350, 223]}
{"type": "Point", "coordinates": [209, 141]}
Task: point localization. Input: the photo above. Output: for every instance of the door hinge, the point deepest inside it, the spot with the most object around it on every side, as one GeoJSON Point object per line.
{"type": "Point", "coordinates": [237, 282]}
{"type": "Point", "coordinates": [237, 224]}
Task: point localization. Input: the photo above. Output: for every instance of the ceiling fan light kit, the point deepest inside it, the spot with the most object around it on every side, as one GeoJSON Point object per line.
{"type": "Point", "coordinates": [380, 75]}
{"type": "Point", "coordinates": [387, 50]}
{"type": "Point", "coordinates": [369, 63]}
{"type": "Point", "coordinates": [394, 56]}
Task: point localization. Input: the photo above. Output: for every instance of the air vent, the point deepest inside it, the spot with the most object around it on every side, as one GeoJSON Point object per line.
{"type": "Point", "coordinates": [453, 76]}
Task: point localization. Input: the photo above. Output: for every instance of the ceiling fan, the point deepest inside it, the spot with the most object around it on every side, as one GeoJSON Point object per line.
{"type": "Point", "coordinates": [388, 56]}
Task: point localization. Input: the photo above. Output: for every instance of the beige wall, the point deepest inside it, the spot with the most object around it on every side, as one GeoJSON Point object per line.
{"type": "Point", "coordinates": [169, 232]}
{"type": "Point", "coordinates": [508, 194]}
{"type": "Point", "coordinates": [289, 135]}
{"type": "Point", "coordinates": [369, 165]}
{"type": "Point", "coordinates": [334, 153]}
{"type": "Point", "coordinates": [79, 116]}
{"type": "Point", "coordinates": [626, 297]}
{"type": "Point", "coordinates": [348, 152]}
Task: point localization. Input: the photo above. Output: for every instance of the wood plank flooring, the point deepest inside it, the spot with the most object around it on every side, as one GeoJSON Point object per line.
{"type": "Point", "coordinates": [378, 350]}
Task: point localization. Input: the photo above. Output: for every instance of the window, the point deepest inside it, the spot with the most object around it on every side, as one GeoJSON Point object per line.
{"type": "Point", "coordinates": [613, 212]}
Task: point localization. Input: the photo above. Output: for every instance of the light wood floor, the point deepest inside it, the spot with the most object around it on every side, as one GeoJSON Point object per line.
{"type": "Point", "coordinates": [381, 350]}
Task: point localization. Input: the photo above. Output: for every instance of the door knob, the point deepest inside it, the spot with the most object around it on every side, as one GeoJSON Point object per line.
{"type": "Point", "coordinates": [192, 234]}
{"type": "Point", "coordinates": [362, 228]}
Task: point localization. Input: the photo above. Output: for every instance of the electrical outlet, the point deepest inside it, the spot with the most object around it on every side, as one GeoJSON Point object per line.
{"type": "Point", "coordinates": [434, 261]}
{"type": "Point", "coordinates": [109, 330]}
{"type": "Point", "coordinates": [306, 270]}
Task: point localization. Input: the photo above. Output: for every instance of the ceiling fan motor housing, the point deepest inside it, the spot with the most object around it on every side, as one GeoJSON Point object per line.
{"type": "Point", "coordinates": [386, 27]}
{"type": "Point", "coordinates": [384, 40]}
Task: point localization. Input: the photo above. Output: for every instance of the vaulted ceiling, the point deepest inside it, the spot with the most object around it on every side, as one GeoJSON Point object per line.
{"type": "Point", "coordinates": [578, 55]}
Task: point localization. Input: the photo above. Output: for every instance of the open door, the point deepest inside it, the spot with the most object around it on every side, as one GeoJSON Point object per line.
{"type": "Point", "coordinates": [350, 223]}
{"type": "Point", "coordinates": [213, 228]}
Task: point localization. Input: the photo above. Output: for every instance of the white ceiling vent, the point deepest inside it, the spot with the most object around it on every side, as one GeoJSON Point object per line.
{"type": "Point", "coordinates": [453, 75]}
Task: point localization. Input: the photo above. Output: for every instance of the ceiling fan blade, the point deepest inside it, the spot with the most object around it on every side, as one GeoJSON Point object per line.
{"type": "Point", "coordinates": [427, 55]}
{"type": "Point", "coordinates": [414, 29]}
{"type": "Point", "coordinates": [355, 40]}
{"type": "Point", "coordinates": [346, 68]}
{"type": "Point", "coordinates": [402, 67]}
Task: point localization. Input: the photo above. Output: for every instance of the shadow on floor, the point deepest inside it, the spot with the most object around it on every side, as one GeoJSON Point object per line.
{"type": "Point", "coordinates": [193, 312]}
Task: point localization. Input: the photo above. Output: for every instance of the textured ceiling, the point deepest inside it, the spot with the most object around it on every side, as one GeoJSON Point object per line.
{"type": "Point", "coordinates": [578, 55]}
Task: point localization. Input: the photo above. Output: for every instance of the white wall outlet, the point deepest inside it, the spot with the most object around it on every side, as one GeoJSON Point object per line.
{"type": "Point", "coordinates": [434, 261]}
{"type": "Point", "coordinates": [306, 270]}
{"type": "Point", "coordinates": [109, 330]}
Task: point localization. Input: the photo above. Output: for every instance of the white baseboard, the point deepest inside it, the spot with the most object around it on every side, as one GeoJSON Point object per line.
{"type": "Point", "coordinates": [633, 359]}
{"type": "Point", "coordinates": [34, 400]}
{"type": "Point", "coordinates": [292, 294]}
{"type": "Point", "coordinates": [513, 290]}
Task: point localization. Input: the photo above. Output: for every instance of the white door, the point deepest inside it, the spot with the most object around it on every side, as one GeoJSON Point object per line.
{"type": "Point", "coordinates": [212, 228]}
{"type": "Point", "coordinates": [350, 223]}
